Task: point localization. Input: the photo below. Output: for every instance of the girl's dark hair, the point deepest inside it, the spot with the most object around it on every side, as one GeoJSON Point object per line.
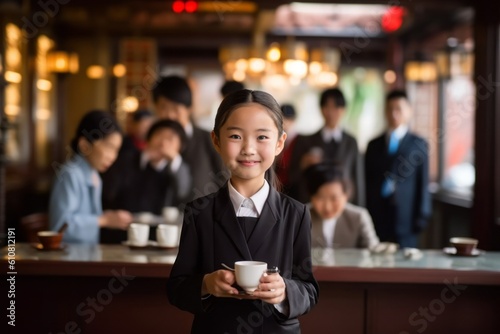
{"type": "Point", "coordinates": [320, 174]}
{"type": "Point", "coordinates": [241, 98]}
{"type": "Point", "coordinates": [95, 125]}
{"type": "Point", "coordinates": [168, 124]}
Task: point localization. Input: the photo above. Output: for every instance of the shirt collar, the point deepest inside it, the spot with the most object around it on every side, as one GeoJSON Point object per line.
{"type": "Point", "coordinates": [258, 199]}
{"type": "Point", "coordinates": [335, 134]}
{"type": "Point", "coordinates": [88, 171]}
{"type": "Point", "coordinates": [189, 130]}
{"type": "Point", "coordinates": [399, 132]}
{"type": "Point", "coordinates": [145, 159]}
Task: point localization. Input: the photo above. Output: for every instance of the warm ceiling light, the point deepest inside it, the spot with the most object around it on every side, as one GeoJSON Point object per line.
{"type": "Point", "coordinates": [62, 62]}
{"type": "Point", "coordinates": [420, 71]}
{"type": "Point", "coordinates": [273, 53]}
{"type": "Point", "coordinates": [13, 77]}
{"type": "Point", "coordinates": [43, 114]}
{"type": "Point", "coordinates": [119, 70]}
{"type": "Point", "coordinates": [95, 72]}
{"type": "Point", "coordinates": [256, 65]}
{"type": "Point", "coordinates": [239, 76]}
{"type": "Point", "coordinates": [390, 76]}
{"type": "Point", "coordinates": [241, 65]}
{"type": "Point", "coordinates": [44, 85]}
{"type": "Point", "coordinates": [130, 104]}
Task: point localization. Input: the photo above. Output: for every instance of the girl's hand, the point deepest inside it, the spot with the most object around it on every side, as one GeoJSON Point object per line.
{"type": "Point", "coordinates": [219, 284]}
{"type": "Point", "coordinates": [272, 289]}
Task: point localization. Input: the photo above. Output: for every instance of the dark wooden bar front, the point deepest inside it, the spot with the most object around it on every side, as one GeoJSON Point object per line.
{"type": "Point", "coordinates": [68, 296]}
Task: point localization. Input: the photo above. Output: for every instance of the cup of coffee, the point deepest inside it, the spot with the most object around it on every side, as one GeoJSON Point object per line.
{"type": "Point", "coordinates": [138, 234]}
{"type": "Point", "coordinates": [170, 214]}
{"type": "Point", "coordinates": [464, 246]}
{"type": "Point", "coordinates": [248, 274]}
{"type": "Point", "coordinates": [167, 235]}
{"type": "Point", "coordinates": [50, 239]}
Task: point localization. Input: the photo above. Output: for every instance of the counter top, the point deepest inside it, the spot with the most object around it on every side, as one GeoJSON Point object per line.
{"type": "Point", "coordinates": [340, 265]}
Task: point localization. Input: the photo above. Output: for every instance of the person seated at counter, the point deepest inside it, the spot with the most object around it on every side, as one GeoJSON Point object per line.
{"type": "Point", "coordinates": [76, 194]}
{"type": "Point", "coordinates": [150, 180]}
{"type": "Point", "coordinates": [335, 222]}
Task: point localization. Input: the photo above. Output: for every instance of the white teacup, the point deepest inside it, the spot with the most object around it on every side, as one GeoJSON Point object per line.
{"type": "Point", "coordinates": [167, 235]}
{"type": "Point", "coordinates": [170, 214]}
{"type": "Point", "coordinates": [248, 274]}
{"type": "Point", "coordinates": [138, 234]}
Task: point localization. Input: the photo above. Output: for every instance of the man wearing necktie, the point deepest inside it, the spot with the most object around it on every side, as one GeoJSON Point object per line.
{"type": "Point", "coordinates": [397, 177]}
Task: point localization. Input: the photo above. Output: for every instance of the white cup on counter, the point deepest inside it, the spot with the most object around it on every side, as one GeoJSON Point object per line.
{"type": "Point", "coordinates": [167, 235]}
{"type": "Point", "coordinates": [138, 234]}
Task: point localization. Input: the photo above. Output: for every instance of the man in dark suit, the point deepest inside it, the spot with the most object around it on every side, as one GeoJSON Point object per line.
{"type": "Point", "coordinates": [331, 144]}
{"type": "Point", "coordinates": [397, 177]}
{"type": "Point", "coordinates": [173, 99]}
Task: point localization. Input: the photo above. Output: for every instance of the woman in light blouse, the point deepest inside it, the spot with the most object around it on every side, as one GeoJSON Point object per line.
{"type": "Point", "coordinates": [335, 222]}
{"type": "Point", "coordinates": [76, 193]}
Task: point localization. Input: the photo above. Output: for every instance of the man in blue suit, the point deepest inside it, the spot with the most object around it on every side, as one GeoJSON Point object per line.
{"type": "Point", "coordinates": [397, 177]}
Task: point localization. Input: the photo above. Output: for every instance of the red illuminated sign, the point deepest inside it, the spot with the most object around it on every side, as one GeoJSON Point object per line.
{"type": "Point", "coordinates": [393, 19]}
{"type": "Point", "coordinates": [189, 6]}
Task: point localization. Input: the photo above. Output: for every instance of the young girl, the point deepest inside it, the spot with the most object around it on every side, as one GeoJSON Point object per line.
{"type": "Point", "coordinates": [76, 193]}
{"type": "Point", "coordinates": [247, 219]}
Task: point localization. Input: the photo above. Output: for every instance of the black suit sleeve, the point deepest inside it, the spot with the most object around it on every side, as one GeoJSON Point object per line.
{"type": "Point", "coordinates": [302, 289]}
{"type": "Point", "coordinates": [185, 282]}
{"type": "Point", "coordinates": [423, 198]}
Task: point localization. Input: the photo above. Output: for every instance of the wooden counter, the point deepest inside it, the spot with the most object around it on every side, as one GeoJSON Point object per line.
{"type": "Point", "coordinates": [112, 289]}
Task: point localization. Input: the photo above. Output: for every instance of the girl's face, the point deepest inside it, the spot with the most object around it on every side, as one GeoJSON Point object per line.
{"type": "Point", "coordinates": [248, 143]}
{"type": "Point", "coordinates": [330, 200]}
{"type": "Point", "coordinates": [101, 153]}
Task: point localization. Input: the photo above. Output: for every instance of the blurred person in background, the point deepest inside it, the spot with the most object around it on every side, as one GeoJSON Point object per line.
{"type": "Point", "coordinates": [330, 144]}
{"type": "Point", "coordinates": [397, 176]}
{"type": "Point", "coordinates": [173, 100]}
{"type": "Point", "coordinates": [138, 124]}
{"type": "Point", "coordinates": [335, 222]}
{"type": "Point", "coordinates": [150, 180]}
{"type": "Point", "coordinates": [76, 193]}
{"type": "Point", "coordinates": [283, 160]}
{"type": "Point", "coordinates": [230, 86]}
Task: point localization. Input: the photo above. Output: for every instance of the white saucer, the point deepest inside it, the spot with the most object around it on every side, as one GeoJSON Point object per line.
{"type": "Point", "coordinates": [453, 252]}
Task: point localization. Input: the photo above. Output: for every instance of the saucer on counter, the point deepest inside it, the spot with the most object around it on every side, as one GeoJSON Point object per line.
{"type": "Point", "coordinates": [39, 246]}
{"type": "Point", "coordinates": [453, 252]}
{"type": "Point", "coordinates": [150, 245]}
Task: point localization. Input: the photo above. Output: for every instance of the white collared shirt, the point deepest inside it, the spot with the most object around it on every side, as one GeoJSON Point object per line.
{"type": "Point", "coordinates": [249, 207]}
{"type": "Point", "coordinates": [328, 227]}
{"type": "Point", "coordinates": [399, 132]}
{"type": "Point", "coordinates": [329, 134]}
{"type": "Point", "coordinates": [174, 165]}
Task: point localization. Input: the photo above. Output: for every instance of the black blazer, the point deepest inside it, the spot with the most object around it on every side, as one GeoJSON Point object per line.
{"type": "Point", "coordinates": [346, 152]}
{"type": "Point", "coordinates": [207, 170]}
{"type": "Point", "coordinates": [211, 235]}
{"type": "Point", "coordinates": [401, 216]}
